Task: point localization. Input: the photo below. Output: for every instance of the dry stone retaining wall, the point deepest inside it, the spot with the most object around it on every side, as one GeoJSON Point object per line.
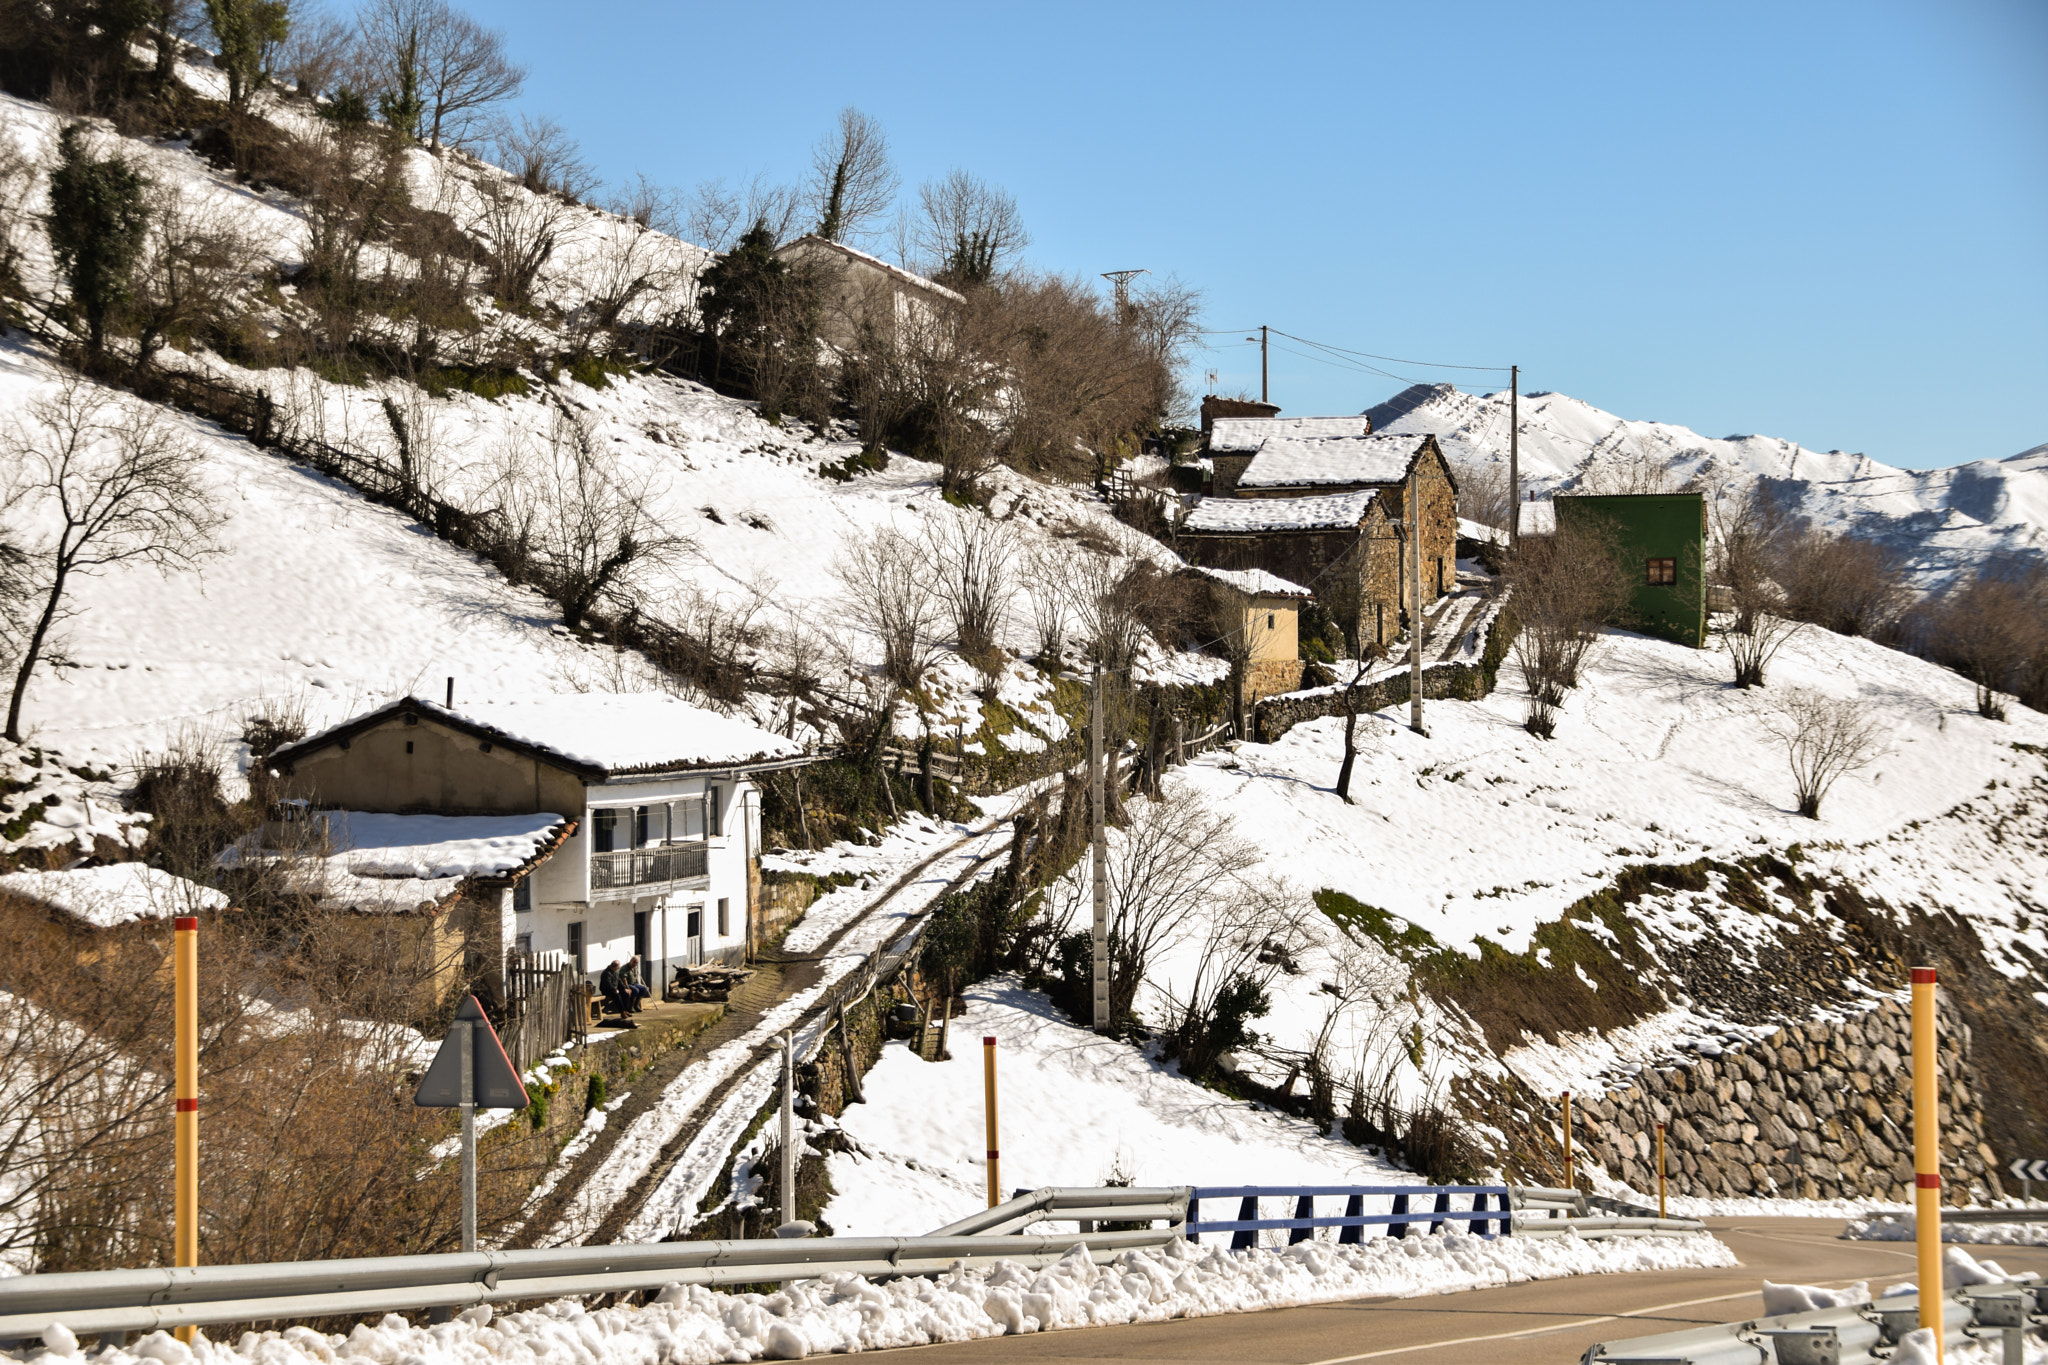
{"type": "Point", "coordinates": [1814, 1111]}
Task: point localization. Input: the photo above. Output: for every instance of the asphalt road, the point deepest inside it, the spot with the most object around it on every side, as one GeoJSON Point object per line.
{"type": "Point", "coordinates": [1550, 1322]}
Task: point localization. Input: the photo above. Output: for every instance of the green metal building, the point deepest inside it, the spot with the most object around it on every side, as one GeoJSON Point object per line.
{"type": "Point", "coordinates": [1661, 541]}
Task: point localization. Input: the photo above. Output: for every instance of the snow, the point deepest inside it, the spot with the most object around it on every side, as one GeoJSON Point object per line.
{"type": "Point", "coordinates": [1327, 512]}
{"type": "Point", "coordinates": [845, 1312]}
{"type": "Point", "coordinates": [377, 845]}
{"type": "Point", "coordinates": [114, 894]}
{"type": "Point", "coordinates": [1379, 458]}
{"type": "Point", "coordinates": [1903, 1227]}
{"type": "Point", "coordinates": [618, 732]}
{"type": "Point", "coordinates": [1075, 1109]}
{"type": "Point", "coordinates": [1245, 434]}
{"type": "Point", "coordinates": [1256, 581]}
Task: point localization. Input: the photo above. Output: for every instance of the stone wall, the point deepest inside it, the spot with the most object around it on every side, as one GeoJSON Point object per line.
{"type": "Point", "coordinates": [1814, 1111]}
{"type": "Point", "coordinates": [1468, 677]}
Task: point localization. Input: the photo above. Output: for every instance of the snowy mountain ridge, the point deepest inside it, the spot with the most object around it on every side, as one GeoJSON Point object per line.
{"type": "Point", "coordinates": [1942, 520]}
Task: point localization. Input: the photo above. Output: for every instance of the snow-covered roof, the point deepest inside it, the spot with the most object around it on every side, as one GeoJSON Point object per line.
{"type": "Point", "coordinates": [911, 278]}
{"type": "Point", "coordinates": [1243, 435]}
{"type": "Point", "coordinates": [396, 864]}
{"type": "Point", "coordinates": [1255, 581]}
{"type": "Point", "coordinates": [1237, 516]}
{"type": "Point", "coordinates": [1285, 462]}
{"type": "Point", "coordinates": [1479, 530]}
{"type": "Point", "coordinates": [114, 894]}
{"type": "Point", "coordinates": [1538, 518]}
{"type": "Point", "coordinates": [604, 734]}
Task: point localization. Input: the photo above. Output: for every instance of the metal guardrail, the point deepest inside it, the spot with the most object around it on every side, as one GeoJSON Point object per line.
{"type": "Point", "coordinates": [1404, 1214]}
{"type": "Point", "coordinates": [149, 1300]}
{"type": "Point", "coordinates": [1541, 1211]}
{"type": "Point", "coordinates": [1857, 1335]}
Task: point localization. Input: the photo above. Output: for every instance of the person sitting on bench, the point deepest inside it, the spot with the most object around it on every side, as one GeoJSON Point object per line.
{"type": "Point", "coordinates": [612, 986]}
{"type": "Point", "coordinates": [633, 978]}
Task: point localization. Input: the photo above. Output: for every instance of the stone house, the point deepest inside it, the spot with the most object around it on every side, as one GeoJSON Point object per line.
{"type": "Point", "coordinates": [1214, 407]}
{"type": "Point", "coordinates": [638, 814]}
{"type": "Point", "coordinates": [856, 289]}
{"type": "Point", "coordinates": [1262, 613]}
{"type": "Point", "coordinates": [1321, 502]}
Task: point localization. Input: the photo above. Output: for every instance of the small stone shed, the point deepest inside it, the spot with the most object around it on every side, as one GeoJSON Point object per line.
{"type": "Point", "coordinates": [1264, 611]}
{"type": "Point", "coordinates": [858, 290]}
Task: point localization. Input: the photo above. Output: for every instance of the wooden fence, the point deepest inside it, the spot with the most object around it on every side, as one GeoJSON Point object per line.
{"type": "Point", "coordinates": [545, 1008]}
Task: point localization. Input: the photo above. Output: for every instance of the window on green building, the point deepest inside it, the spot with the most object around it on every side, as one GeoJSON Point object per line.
{"type": "Point", "coordinates": [1661, 572]}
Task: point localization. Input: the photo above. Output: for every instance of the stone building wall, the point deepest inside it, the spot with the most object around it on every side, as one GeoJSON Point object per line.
{"type": "Point", "coordinates": [1814, 1111]}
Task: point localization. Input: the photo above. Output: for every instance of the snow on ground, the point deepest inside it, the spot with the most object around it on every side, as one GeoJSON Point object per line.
{"type": "Point", "coordinates": [844, 1313]}
{"type": "Point", "coordinates": [115, 894]}
{"type": "Point", "coordinates": [1074, 1109]}
{"type": "Point", "coordinates": [1872, 1226]}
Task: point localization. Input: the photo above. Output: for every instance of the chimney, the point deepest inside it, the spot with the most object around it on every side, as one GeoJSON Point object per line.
{"type": "Point", "coordinates": [451, 694]}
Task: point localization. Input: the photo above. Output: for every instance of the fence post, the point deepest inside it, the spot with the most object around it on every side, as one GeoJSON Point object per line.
{"type": "Point", "coordinates": [1352, 1234]}
{"type": "Point", "coordinates": [1443, 1205]}
{"type": "Point", "coordinates": [1400, 1206]}
{"type": "Point", "coordinates": [1304, 1208]}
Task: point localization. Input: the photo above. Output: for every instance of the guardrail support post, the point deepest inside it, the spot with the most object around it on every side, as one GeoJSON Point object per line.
{"type": "Point", "coordinates": [1400, 1206]}
{"type": "Point", "coordinates": [1443, 1205]}
{"type": "Point", "coordinates": [1304, 1208]}
{"type": "Point", "coordinates": [1247, 1212]}
{"type": "Point", "coordinates": [788, 1131]}
{"type": "Point", "coordinates": [1927, 1153]}
{"type": "Point", "coordinates": [1352, 1234]}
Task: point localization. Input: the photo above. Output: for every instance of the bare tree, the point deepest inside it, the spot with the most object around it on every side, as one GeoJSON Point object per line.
{"type": "Point", "coordinates": [1106, 608]}
{"type": "Point", "coordinates": [852, 179]}
{"type": "Point", "coordinates": [887, 580]}
{"type": "Point", "coordinates": [1992, 628]}
{"type": "Point", "coordinates": [317, 51]}
{"type": "Point", "coordinates": [1566, 586]}
{"type": "Point", "coordinates": [1749, 529]}
{"type": "Point", "coordinates": [521, 230]}
{"type": "Point", "coordinates": [542, 156]}
{"type": "Point", "coordinates": [1847, 584]}
{"type": "Point", "coordinates": [1824, 737]}
{"type": "Point", "coordinates": [98, 484]}
{"type": "Point", "coordinates": [967, 231]}
{"type": "Point", "coordinates": [18, 174]}
{"type": "Point", "coordinates": [716, 216]}
{"type": "Point", "coordinates": [197, 259]}
{"type": "Point", "coordinates": [1051, 612]}
{"type": "Point", "coordinates": [1483, 493]}
{"type": "Point", "coordinates": [444, 64]}
{"type": "Point", "coordinates": [1350, 698]}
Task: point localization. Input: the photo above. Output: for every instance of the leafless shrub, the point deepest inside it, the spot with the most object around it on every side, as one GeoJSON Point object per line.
{"type": "Point", "coordinates": [18, 174]}
{"type": "Point", "coordinates": [887, 582]}
{"type": "Point", "coordinates": [97, 483]}
{"type": "Point", "coordinates": [1245, 938]}
{"type": "Point", "coordinates": [974, 556]}
{"type": "Point", "coordinates": [1051, 613]}
{"type": "Point", "coordinates": [1106, 607]}
{"type": "Point", "coordinates": [317, 51]}
{"type": "Point", "coordinates": [1565, 585]}
{"type": "Point", "coordinates": [197, 260]}
{"type": "Point", "coordinates": [968, 232]}
{"type": "Point", "coordinates": [1751, 650]}
{"type": "Point", "coordinates": [521, 231]}
{"type": "Point", "coordinates": [1992, 628]}
{"type": "Point", "coordinates": [1847, 584]}
{"type": "Point", "coordinates": [1824, 737]}
{"type": "Point", "coordinates": [716, 215]}
{"type": "Point", "coordinates": [1484, 495]}
{"type": "Point", "coordinates": [542, 156]}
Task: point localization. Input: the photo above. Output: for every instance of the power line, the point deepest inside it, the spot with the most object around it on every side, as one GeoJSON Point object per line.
{"type": "Point", "coordinates": [1392, 359]}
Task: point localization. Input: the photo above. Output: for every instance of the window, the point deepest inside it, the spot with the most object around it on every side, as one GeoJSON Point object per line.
{"type": "Point", "coordinates": [693, 819]}
{"type": "Point", "coordinates": [522, 898]}
{"type": "Point", "coordinates": [724, 917]}
{"type": "Point", "coordinates": [408, 746]}
{"type": "Point", "coordinates": [711, 825]}
{"type": "Point", "coordinates": [604, 824]}
{"type": "Point", "coordinates": [1272, 623]}
{"type": "Point", "coordinates": [524, 945]}
{"type": "Point", "coordinates": [639, 826]}
{"type": "Point", "coordinates": [576, 945]}
{"type": "Point", "coordinates": [1660, 572]}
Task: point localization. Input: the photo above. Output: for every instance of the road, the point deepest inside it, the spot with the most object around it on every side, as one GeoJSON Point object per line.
{"type": "Point", "coordinates": [1547, 1322]}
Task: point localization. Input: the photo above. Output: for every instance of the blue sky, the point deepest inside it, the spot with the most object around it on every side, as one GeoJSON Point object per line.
{"type": "Point", "coordinates": [1827, 222]}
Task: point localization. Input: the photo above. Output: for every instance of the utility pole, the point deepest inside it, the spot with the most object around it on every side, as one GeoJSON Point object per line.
{"type": "Point", "coordinates": [1098, 837]}
{"type": "Point", "coordinates": [1262, 365]}
{"type": "Point", "coordinates": [1121, 281]}
{"type": "Point", "coordinates": [1514, 456]}
{"type": "Point", "coordinates": [1415, 604]}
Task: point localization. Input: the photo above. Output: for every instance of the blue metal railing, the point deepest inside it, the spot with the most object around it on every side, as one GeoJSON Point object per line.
{"type": "Point", "coordinates": [1404, 1213]}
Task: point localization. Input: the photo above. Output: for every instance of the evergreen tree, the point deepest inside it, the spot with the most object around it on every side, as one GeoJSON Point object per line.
{"type": "Point", "coordinates": [247, 31]}
{"type": "Point", "coordinates": [762, 314]}
{"type": "Point", "coordinates": [96, 224]}
{"type": "Point", "coordinates": [404, 106]}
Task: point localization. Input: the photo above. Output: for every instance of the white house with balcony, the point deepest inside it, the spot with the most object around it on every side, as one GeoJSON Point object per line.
{"type": "Point", "coordinates": [661, 854]}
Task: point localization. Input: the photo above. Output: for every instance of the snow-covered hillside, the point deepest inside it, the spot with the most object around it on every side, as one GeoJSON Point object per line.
{"type": "Point", "coordinates": [1940, 518]}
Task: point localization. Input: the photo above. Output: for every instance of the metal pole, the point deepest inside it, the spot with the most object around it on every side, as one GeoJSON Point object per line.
{"type": "Point", "coordinates": [1927, 1153]}
{"type": "Point", "coordinates": [1660, 1170]}
{"type": "Point", "coordinates": [788, 1131]}
{"type": "Point", "coordinates": [1415, 605]}
{"type": "Point", "coordinates": [1262, 366]}
{"type": "Point", "coordinates": [1514, 455]}
{"type": "Point", "coordinates": [1099, 868]}
{"type": "Point", "coordinates": [467, 1096]}
{"type": "Point", "coordinates": [995, 1156]}
{"type": "Point", "coordinates": [1570, 1181]}
{"type": "Point", "coordinates": [185, 1028]}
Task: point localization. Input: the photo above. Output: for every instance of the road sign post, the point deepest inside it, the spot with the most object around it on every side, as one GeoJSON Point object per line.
{"type": "Point", "coordinates": [470, 1069]}
{"type": "Point", "coordinates": [2028, 1172]}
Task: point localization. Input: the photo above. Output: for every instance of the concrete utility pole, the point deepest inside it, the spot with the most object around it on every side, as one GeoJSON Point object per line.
{"type": "Point", "coordinates": [1514, 456]}
{"type": "Point", "coordinates": [1099, 868]}
{"type": "Point", "coordinates": [788, 1131]}
{"type": "Point", "coordinates": [1415, 603]}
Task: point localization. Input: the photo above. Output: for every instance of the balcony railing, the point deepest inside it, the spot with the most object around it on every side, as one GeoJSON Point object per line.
{"type": "Point", "coordinates": [645, 866]}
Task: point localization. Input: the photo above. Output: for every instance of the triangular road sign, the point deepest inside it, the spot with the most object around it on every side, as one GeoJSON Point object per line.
{"type": "Point", "coordinates": [494, 1084]}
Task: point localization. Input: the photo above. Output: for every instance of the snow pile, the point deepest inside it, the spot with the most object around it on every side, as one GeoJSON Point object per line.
{"type": "Point", "coordinates": [116, 894]}
{"type": "Point", "coordinates": [1808, 1298]}
{"type": "Point", "coordinates": [842, 1313]}
{"type": "Point", "coordinates": [1256, 581]}
{"type": "Point", "coordinates": [1889, 1227]}
{"type": "Point", "coordinates": [52, 807]}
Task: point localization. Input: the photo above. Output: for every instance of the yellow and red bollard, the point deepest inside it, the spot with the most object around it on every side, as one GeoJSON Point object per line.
{"type": "Point", "coordinates": [1927, 1153]}
{"type": "Point", "coordinates": [185, 983]}
{"type": "Point", "coordinates": [988, 1076]}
